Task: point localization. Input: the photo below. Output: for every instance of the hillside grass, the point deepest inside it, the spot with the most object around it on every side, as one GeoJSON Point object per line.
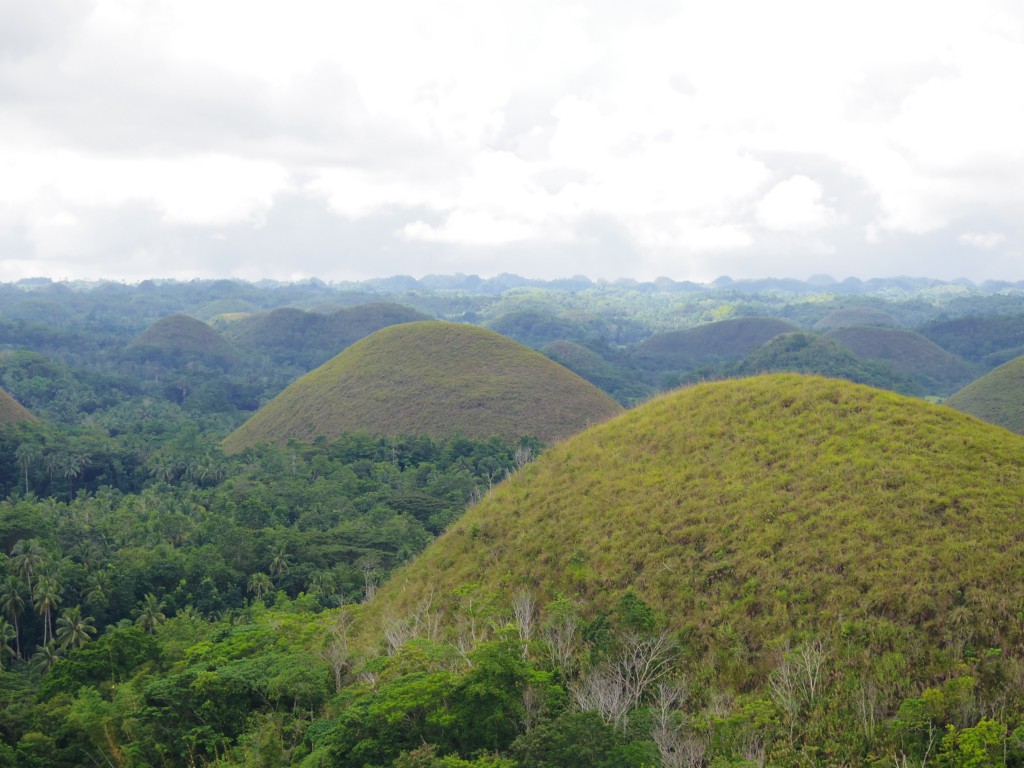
{"type": "Point", "coordinates": [854, 316]}
{"type": "Point", "coordinates": [183, 334]}
{"type": "Point", "coordinates": [908, 352]}
{"type": "Point", "coordinates": [752, 511]}
{"type": "Point", "coordinates": [11, 411]}
{"type": "Point", "coordinates": [707, 344]}
{"type": "Point", "coordinates": [436, 379]}
{"type": "Point", "coordinates": [997, 397]}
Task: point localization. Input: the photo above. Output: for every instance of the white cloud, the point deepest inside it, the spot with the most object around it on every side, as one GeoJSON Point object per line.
{"type": "Point", "coordinates": [794, 205]}
{"type": "Point", "coordinates": [686, 129]}
{"type": "Point", "coordinates": [986, 241]}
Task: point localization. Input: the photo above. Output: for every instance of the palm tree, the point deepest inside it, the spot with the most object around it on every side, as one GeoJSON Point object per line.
{"type": "Point", "coordinates": [281, 561]}
{"type": "Point", "coordinates": [46, 598]}
{"type": "Point", "coordinates": [260, 584]}
{"type": "Point", "coordinates": [12, 603]}
{"type": "Point", "coordinates": [46, 656]}
{"type": "Point", "coordinates": [7, 633]}
{"type": "Point", "coordinates": [150, 613]}
{"type": "Point", "coordinates": [74, 630]}
{"type": "Point", "coordinates": [97, 587]}
{"type": "Point", "coordinates": [28, 557]}
{"type": "Point", "coordinates": [25, 454]}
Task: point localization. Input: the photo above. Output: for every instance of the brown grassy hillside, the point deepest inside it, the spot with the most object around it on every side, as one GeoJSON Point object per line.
{"type": "Point", "coordinates": [431, 378]}
{"type": "Point", "coordinates": [11, 411]}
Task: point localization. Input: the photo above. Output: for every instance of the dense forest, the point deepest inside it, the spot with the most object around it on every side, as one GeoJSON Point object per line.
{"type": "Point", "coordinates": [166, 603]}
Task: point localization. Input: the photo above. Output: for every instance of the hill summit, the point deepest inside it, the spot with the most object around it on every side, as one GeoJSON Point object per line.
{"type": "Point", "coordinates": [749, 510]}
{"type": "Point", "coordinates": [432, 378]}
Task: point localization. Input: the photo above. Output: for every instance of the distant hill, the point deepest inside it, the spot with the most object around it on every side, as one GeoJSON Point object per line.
{"type": "Point", "coordinates": [708, 344]}
{"type": "Point", "coordinates": [622, 384]}
{"type": "Point", "coordinates": [909, 352]}
{"type": "Point", "coordinates": [854, 316]}
{"type": "Point", "coordinates": [431, 378]}
{"type": "Point", "coordinates": [811, 353]}
{"type": "Point", "coordinates": [997, 397]}
{"type": "Point", "coordinates": [749, 512]}
{"type": "Point", "coordinates": [308, 339]}
{"type": "Point", "coordinates": [11, 411]}
{"type": "Point", "coordinates": [182, 337]}
{"type": "Point", "coordinates": [992, 340]}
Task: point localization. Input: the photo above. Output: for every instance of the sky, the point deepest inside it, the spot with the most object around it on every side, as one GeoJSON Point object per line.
{"type": "Point", "coordinates": [347, 140]}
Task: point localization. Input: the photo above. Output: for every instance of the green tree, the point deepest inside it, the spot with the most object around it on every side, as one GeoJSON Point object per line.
{"type": "Point", "coordinates": [280, 560]}
{"type": "Point", "coordinates": [149, 614]}
{"type": "Point", "coordinates": [7, 634]}
{"type": "Point", "coordinates": [28, 557]}
{"type": "Point", "coordinates": [12, 603]}
{"type": "Point", "coordinates": [260, 584]}
{"type": "Point", "coordinates": [47, 597]}
{"type": "Point", "coordinates": [73, 629]}
{"type": "Point", "coordinates": [25, 454]}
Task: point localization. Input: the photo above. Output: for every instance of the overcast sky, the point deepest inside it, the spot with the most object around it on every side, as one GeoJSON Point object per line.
{"type": "Point", "coordinates": [344, 140]}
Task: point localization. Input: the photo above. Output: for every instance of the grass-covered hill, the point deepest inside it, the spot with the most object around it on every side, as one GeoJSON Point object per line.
{"type": "Point", "coordinates": [621, 382]}
{"type": "Point", "coordinates": [431, 378]}
{"type": "Point", "coordinates": [810, 353]}
{"type": "Point", "coordinates": [853, 316]}
{"type": "Point", "coordinates": [748, 511]}
{"type": "Point", "coordinates": [992, 339]}
{"type": "Point", "coordinates": [11, 411]}
{"type": "Point", "coordinates": [909, 352]}
{"type": "Point", "coordinates": [307, 339]}
{"type": "Point", "coordinates": [181, 336]}
{"type": "Point", "coordinates": [997, 397]}
{"type": "Point", "coordinates": [708, 344]}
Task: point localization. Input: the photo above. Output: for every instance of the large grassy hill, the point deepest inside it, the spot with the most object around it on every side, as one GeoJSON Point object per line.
{"type": "Point", "coordinates": [307, 339]}
{"type": "Point", "coordinates": [708, 344]}
{"type": "Point", "coordinates": [992, 340]}
{"type": "Point", "coordinates": [11, 411]}
{"type": "Point", "coordinates": [908, 352]}
{"type": "Point", "coordinates": [755, 510]}
{"type": "Point", "coordinates": [182, 336]}
{"type": "Point", "coordinates": [432, 378]}
{"type": "Point", "coordinates": [997, 397]}
{"type": "Point", "coordinates": [810, 353]}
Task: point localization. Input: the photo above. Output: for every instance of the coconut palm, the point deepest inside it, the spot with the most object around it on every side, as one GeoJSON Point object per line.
{"type": "Point", "coordinates": [7, 634]}
{"type": "Point", "coordinates": [97, 587]}
{"type": "Point", "coordinates": [25, 454]}
{"type": "Point", "coordinates": [260, 584]}
{"type": "Point", "coordinates": [28, 557]}
{"type": "Point", "coordinates": [12, 603]}
{"type": "Point", "coordinates": [73, 629]}
{"type": "Point", "coordinates": [46, 656]}
{"type": "Point", "coordinates": [149, 614]}
{"type": "Point", "coordinates": [47, 597]}
{"type": "Point", "coordinates": [281, 560]}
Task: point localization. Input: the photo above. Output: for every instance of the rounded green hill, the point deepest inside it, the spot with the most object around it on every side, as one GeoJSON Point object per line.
{"type": "Point", "coordinates": [431, 378]}
{"type": "Point", "coordinates": [751, 510]}
{"type": "Point", "coordinates": [714, 342]}
{"type": "Point", "coordinates": [11, 411]}
{"type": "Point", "coordinates": [997, 397]}
{"type": "Point", "coordinates": [907, 352]}
{"type": "Point", "coordinates": [182, 335]}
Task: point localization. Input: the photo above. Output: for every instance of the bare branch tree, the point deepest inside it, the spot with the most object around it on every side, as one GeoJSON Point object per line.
{"type": "Point", "coordinates": [523, 610]}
